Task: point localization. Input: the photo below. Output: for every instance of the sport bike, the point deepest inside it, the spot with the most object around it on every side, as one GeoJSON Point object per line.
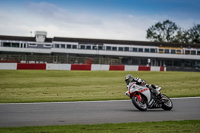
{"type": "Point", "coordinates": [143, 98]}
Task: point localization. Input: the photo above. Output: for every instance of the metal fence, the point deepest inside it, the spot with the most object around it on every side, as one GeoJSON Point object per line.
{"type": "Point", "coordinates": [67, 59]}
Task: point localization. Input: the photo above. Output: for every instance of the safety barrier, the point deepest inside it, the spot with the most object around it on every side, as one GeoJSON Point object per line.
{"type": "Point", "coordinates": [99, 67]}
{"type": "Point", "coordinates": [81, 67]}
{"type": "Point", "coordinates": [25, 66]}
{"type": "Point", "coordinates": [8, 66]}
{"type": "Point", "coordinates": [144, 68]}
{"type": "Point", "coordinates": [58, 67]}
{"type": "Point", "coordinates": [162, 69]}
{"type": "Point", "coordinates": [116, 68]}
{"type": "Point", "coordinates": [86, 67]}
{"type": "Point", "coordinates": [131, 68]}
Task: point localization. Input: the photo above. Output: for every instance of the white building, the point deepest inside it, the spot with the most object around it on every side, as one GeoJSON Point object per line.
{"type": "Point", "coordinates": [41, 49]}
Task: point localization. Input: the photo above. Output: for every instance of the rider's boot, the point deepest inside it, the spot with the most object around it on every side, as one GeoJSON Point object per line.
{"type": "Point", "coordinates": [158, 94]}
{"type": "Point", "coordinates": [156, 90]}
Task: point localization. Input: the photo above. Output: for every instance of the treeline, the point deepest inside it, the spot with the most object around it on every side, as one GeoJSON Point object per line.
{"type": "Point", "coordinates": [168, 31]}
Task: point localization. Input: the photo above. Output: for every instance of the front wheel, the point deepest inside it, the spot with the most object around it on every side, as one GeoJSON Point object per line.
{"type": "Point", "coordinates": [139, 103]}
{"type": "Point", "coordinates": [166, 103]}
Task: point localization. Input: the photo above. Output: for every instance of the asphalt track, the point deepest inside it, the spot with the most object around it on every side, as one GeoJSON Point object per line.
{"type": "Point", "coordinates": [67, 113]}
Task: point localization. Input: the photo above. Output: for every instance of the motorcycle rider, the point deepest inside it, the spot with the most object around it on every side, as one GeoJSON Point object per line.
{"type": "Point", "coordinates": [129, 81]}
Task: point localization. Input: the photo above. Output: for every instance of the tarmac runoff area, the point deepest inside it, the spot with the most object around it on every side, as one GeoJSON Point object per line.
{"type": "Point", "coordinates": [93, 112]}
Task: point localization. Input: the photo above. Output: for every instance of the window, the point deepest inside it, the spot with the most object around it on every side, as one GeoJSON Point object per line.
{"type": "Point", "coordinates": [135, 61]}
{"type": "Point", "coordinates": [173, 51]}
{"type": "Point", "coordinates": [69, 46]}
{"type": "Point", "coordinates": [121, 49]}
{"type": "Point", "coordinates": [187, 51]}
{"type": "Point", "coordinates": [186, 63]}
{"type": "Point", "coordinates": [62, 45]}
{"type": "Point", "coordinates": [177, 63]}
{"type": "Point", "coordinates": [74, 46]}
{"type": "Point", "coordinates": [33, 45]}
{"type": "Point", "coordinates": [198, 52]}
{"type": "Point", "coordinates": [167, 51]}
{"type": "Point", "coordinates": [108, 48]}
{"type": "Point", "coordinates": [168, 62]}
{"type": "Point", "coordinates": [134, 49]}
{"type": "Point", "coordinates": [94, 47]}
{"type": "Point", "coordinates": [21, 46]}
{"type": "Point", "coordinates": [82, 46]}
{"type": "Point", "coordinates": [15, 45]}
{"type": "Point", "coordinates": [161, 50]}
{"type": "Point", "coordinates": [114, 48]}
{"type": "Point", "coordinates": [146, 50]}
{"type": "Point", "coordinates": [152, 50]}
{"type": "Point", "coordinates": [25, 45]}
{"type": "Point", "coordinates": [97, 47]}
{"type": "Point", "coordinates": [178, 51]}
{"type": "Point", "coordinates": [140, 49]}
{"type": "Point", "coordinates": [57, 45]}
{"type": "Point", "coordinates": [100, 47]}
{"type": "Point", "coordinates": [88, 47]}
{"type": "Point", "coordinates": [6, 44]}
{"type": "Point", "coordinates": [47, 45]}
{"type": "Point", "coordinates": [126, 48]}
{"type": "Point", "coordinates": [193, 52]}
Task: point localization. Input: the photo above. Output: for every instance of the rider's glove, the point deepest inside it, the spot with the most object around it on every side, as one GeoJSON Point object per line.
{"type": "Point", "coordinates": [127, 93]}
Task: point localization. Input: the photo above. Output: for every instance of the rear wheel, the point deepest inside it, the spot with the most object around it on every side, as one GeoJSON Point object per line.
{"type": "Point", "coordinates": [166, 103]}
{"type": "Point", "coordinates": [139, 104]}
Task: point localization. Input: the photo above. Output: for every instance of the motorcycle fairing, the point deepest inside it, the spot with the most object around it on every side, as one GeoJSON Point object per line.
{"type": "Point", "coordinates": [133, 88]}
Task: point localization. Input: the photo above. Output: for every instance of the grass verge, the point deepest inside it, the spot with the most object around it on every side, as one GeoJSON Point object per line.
{"type": "Point", "coordinates": [187, 126]}
{"type": "Point", "coordinates": [58, 86]}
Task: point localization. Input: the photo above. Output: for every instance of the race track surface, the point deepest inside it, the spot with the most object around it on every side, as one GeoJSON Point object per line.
{"type": "Point", "coordinates": [66, 113]}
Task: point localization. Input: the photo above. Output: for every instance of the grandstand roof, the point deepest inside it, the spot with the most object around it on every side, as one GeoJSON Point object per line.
{"type": "Point", "coordinates": [100, 41]}
{"type": "Point", "coordinates": [22, 38]}
{"type": "Point", "coordinates": [126, 42]}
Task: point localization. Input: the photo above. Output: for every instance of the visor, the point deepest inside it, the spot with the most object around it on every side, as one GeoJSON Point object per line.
{"type": "Point", "coordinates": [127, 81]}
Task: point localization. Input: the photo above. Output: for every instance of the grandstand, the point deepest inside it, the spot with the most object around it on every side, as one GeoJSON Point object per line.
{"type": "Point", "coordinates": [41, 49]}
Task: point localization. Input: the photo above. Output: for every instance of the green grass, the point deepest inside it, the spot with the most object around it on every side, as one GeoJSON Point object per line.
{"type": "Point", "coordinates": [187, 126]}
{"type": "Point", "coordinates": [52, 86]}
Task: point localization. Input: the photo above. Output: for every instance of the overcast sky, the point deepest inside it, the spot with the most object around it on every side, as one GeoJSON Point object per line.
{"type": "Point", "coordinates": [103, 19]}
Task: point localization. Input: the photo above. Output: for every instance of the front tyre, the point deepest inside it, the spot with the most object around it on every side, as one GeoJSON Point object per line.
{"type": "Point", "coordinates": [139, 104]}
{"type": "Point", "coordinates": [166, 103]}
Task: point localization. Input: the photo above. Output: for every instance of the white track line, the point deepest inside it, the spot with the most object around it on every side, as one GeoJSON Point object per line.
{"type": "Point", "coordinates": [92, 101]}
{"type": "Point", "coordinates": [185, 98]}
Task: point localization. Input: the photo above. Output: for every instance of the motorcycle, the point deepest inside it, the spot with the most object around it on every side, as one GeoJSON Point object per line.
{"type": "Point", "coordinates": [143, 98]}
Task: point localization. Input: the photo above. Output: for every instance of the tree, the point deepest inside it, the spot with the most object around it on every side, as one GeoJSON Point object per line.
{"type": "Point", "coordinates": [194, 34]}
{"type": "Point", "coordinates": [182, 36]}
{"type": "Point", "coordinates": [163, 32]}
{"type": "Point", "coordinates": [168, 31]}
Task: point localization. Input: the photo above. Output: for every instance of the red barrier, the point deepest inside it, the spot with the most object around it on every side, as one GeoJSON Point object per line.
{"type": "Point", "coordinates": [86, 67]}
{"type": "Point", "coordinates": [24, 66]}
{"type": "Point", "coordinates": [144, 68]}
{"type": "Point", "coordinates": [116, 67]}
{"type": "Point", "coordinates": [162, 68]}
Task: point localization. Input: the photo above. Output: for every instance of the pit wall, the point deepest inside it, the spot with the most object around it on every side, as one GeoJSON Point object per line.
{"type": "Point", "coordinates": [76, 67]}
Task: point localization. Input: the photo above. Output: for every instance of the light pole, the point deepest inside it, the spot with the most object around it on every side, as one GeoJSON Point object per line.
{"type": "Point", "coordinates": [97, 48]}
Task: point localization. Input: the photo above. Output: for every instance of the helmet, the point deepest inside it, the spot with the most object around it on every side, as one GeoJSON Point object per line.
{"type": "Point", "coordinates": [128, 78]}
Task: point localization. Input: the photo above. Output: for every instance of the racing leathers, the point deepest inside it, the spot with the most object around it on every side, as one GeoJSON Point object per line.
{"type": "Point", "coordinates": [155, 89]}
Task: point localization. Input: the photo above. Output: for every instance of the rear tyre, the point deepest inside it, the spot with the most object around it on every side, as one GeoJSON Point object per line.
{"type": "Point", "coordinates": [166, 103]}
{"type": "Point", "coordinates": [141, 105]}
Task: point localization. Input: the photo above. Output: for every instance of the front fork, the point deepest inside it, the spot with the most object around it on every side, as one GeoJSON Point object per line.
{"type": "Point", "coordinates": [138, 95]}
